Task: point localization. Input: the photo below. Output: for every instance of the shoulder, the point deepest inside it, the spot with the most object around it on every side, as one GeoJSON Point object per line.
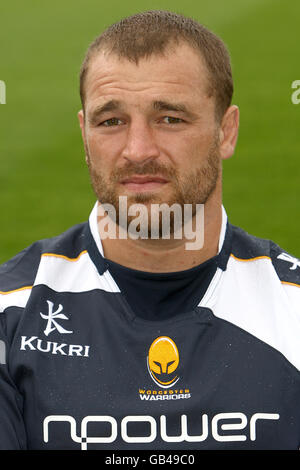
{"type": "Point", "coordinates": [246, 247]}
{"type": "Point", "coordinates": [260, 292]}
{"type": "Point", "coordinates": [19, 272]}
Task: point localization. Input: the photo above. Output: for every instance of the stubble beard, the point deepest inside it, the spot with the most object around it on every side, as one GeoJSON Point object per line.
{"type": "Point", "coordinates": [194, 188]}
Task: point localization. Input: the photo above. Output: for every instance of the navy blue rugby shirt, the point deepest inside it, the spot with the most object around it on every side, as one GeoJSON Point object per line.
{"type": "Point", "coordinates": [90, 360]}
{"type": "Point", "coordinates": [159, 296]}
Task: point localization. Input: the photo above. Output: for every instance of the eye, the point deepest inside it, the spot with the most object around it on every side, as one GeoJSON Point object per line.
{"type": "Point", "coordinates": [172, 120]}
{"type": "Point", "coordinates": [111, 122]}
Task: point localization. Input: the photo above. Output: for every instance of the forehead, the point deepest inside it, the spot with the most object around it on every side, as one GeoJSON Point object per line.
{"type": "Point", "coordinates": [179, 71]}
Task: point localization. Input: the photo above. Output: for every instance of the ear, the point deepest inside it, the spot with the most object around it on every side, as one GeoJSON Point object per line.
{"type": "Point", "coordinates": [229, 132]}
{"type": "Point", "coordinates": [80, 115]}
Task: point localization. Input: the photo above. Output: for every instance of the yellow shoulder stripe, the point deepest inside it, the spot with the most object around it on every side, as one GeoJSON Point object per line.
{"type": "Point", "coordinates": [290, 283]}
{"type": "Point", "coordinates": [250, 259]}
{"type": "Point", "coordinates": [54, 255]}
{"type": "Point", "coordinates": [16, 290]}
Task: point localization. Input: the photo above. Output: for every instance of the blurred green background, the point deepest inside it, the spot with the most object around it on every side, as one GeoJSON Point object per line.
{"type": "Point", "coordinates": [44, 182]}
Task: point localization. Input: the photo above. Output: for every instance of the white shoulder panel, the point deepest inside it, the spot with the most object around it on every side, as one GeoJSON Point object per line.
{"type": "Point", "coordinates": [250, 295]}
{"type": "Point", "coordinates": [293, 293]}
{"type": "Point", "coordinates": [17, 298]}
{"type": "Point", "coordinates": [72, 275]}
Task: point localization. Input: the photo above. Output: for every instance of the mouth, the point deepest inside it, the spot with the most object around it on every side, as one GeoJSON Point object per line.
{"type": "Point", "coordinates": [143, 182]}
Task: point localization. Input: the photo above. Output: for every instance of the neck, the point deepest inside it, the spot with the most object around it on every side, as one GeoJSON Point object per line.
{"type": "Point", "coordinates": [168, 255]}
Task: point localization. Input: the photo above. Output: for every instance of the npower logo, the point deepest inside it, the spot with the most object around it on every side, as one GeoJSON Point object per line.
{"type": "Point", "coordinates": [158, 428]}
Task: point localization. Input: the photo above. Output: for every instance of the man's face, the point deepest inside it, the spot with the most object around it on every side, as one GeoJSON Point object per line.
{"type": "Point", "coordinates": [149, 130]}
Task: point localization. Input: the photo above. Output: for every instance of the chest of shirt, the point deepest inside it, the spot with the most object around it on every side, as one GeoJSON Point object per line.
{"type": "Point", "coordinates": [94, 376]}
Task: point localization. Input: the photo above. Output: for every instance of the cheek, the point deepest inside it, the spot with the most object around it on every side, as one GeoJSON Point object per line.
{"type": "Point", "coordinates": [103, 150]}
{"type": "Point", "coordinates": [189, 151]}
{"type": "Point", "coordinates": [201, 144]}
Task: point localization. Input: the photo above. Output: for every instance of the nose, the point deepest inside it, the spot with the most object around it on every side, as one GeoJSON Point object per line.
{"type": "Point", "coordinates": [140, 143]}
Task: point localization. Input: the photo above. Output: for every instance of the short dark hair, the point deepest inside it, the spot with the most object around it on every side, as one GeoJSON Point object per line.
{"type": "Point", "coordinates": [151, 32]}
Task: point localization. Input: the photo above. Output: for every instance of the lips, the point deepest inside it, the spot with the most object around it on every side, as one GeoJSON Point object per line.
{"type": "Point", "coordinates": [143, 179]}
{"type": "Point", "coordinates": [138, 183]}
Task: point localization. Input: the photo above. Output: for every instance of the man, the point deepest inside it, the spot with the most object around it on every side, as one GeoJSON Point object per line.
{"type": "Point", "coordinates": [127, 342]}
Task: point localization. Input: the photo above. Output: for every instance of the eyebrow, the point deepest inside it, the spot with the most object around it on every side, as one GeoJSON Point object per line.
{"type": "Point", "coordinates": [111, 105]}
{"type": "Point", "coordinates": [114, 105]}
{"type": "Point", "coordinates": [167, 106]}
